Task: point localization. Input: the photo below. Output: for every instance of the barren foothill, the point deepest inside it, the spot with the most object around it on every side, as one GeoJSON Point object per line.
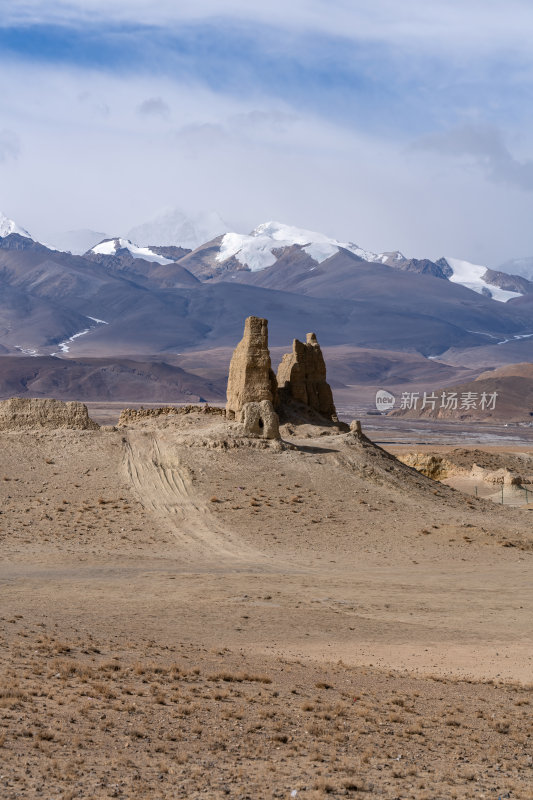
{"type": "Point", "coordinates": [189, 612]}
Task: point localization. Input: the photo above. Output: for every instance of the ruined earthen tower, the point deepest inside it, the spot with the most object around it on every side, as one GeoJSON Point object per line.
{"type": "Point", "coordinates": [302, 377]}
{"type": "Point", "coordinates": [252, 388]}
{"type": "Point", "coordinates": [253, 395]}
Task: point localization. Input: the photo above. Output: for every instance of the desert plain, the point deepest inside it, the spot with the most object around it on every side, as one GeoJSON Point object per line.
{"type": "Point", "coordinates": [187, 612]}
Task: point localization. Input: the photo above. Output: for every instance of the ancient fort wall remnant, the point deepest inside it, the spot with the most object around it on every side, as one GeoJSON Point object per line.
{"type": "Point", "coordinates": [253, 395]}
{"type": "Point", "coordinates": [260, 419]}
{"type": "Point", "coordinates": [251, 378]}
{"type": "Point", "coordinates": [302, 376]}
{"type": "Point", "coordinates": [24, 413]}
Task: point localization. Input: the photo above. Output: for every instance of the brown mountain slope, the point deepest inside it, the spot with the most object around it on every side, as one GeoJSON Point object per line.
{"type": "Point", "coordinates": [103, 379]}
{"type": "Point", "coordinates": [504, 395]}
{"type": "Point", "coordinates": [523, 370]}
{"type": "Point", "coordinates": [48, 297]}
{"type": "Point", "coordinates": [203, 373]}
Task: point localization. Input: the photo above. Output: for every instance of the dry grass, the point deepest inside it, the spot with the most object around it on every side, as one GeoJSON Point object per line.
{"type": "Point", "coordinates": [98, 718]}
{"type": "Point", "coordinates": [239, 677]}
{"type": "Point", "coordinates": [144, 667]}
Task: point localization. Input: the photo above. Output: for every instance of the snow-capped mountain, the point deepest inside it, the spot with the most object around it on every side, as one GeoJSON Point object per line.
{"type": "Point", "coordinates": [234, 255]}
{"type": "Point", "coordinates": [8, 226]}
{"type": "Point", "coordinates": [218, 254]}
{"type": "Point", "coordinates": [474, 276]}
{"type": "Point", "coordinates": [110, 247]}
{"type": "Point", "coordinates": [174, 227]}
{"type": "Point", "coordinates": [392, 259]}
{"type": "Point", "coordinates": [164, 299]}
{"type": "Point", "coordinates": [257, 250]}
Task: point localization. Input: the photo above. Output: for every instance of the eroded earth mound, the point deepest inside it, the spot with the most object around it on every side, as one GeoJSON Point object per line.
{"type": "Point", "coordinates": [493, 468]}
{"type": "Point", "coordinates": [21, 413]}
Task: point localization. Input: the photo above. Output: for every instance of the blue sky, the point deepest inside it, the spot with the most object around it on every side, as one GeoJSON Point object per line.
{"type": "Point", "coordinates": [396, 125]}
{"type": "Point", "coordinates": [322, 73]}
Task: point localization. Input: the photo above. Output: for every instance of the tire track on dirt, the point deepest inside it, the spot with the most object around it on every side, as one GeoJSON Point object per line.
{"type": "Point", "coordinates": [165, 487]}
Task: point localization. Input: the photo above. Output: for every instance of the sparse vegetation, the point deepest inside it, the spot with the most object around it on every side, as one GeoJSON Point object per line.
{"type": "Point", "coordinates": [191, 634]}
{"type": "Point", "coordinates": [111, 716]}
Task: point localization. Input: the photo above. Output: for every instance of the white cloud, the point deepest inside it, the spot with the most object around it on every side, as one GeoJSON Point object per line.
{"type": "Point", "coordinates": [97, 107]}
{"type": "Point", "coordinates": [154, 107]}
{"type": "Point", "coordinates": [90, 158]}
{"type": "Point", "coordinates": [487, 25]}
{"type": "Point", "coordinates": [195, 139]}
{"type": "Point", "coordinates": [263, 122]}
{"type": "Point", "coordinates": [485, 146]}
{"type": "Point", "coordinates": [9, 145]}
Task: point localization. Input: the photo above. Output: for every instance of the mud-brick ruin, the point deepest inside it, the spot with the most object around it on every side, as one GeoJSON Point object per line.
{"type": "Point", "coordinates": [302, 377]}
{"type": "Point", "coordinates": [256, 396]}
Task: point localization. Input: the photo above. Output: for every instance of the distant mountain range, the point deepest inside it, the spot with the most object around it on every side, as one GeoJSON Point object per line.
{"type": "Point", "coordinates": [206, 233]}
{"type": "Point", "coordinates": [242, 254]}
{"type": "Point", "coordinates": [122, 299]}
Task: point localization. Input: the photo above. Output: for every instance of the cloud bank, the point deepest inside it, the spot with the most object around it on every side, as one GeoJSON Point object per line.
{"type": "Point", "coordinates": [485, 147]}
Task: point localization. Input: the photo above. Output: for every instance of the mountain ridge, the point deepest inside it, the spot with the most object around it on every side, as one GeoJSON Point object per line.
{"type": "Point", "coordinates": [151, 307]}
{"type": "Point", "coordinates": [120, 298]}
{"type": "Point", "coordinates": [230, 252]}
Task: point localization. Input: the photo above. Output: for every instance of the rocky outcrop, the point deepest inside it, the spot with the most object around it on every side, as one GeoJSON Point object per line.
{"type": "Point", "coordinates": [27, 413]}
{"type": "Point", "coordinates": [511, 283]}
{"type": "Point", "coordinates": [432, 466]}
{"type": "Point", "coordinates": [423, 266]}
{"type": "Point", "coordinates": [302, 377]}
{"type": "Point", "coordinates": [440, 468]}
{"type": "Point", "coordinates": [251, 379]}
{"type": "Point", "coordinates": [260, 419]}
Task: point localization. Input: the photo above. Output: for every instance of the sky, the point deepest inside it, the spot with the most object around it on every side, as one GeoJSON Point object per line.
{"type": "Point", "coordinates": [392, 125]}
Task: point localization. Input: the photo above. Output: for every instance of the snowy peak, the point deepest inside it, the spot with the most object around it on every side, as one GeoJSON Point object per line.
{"type": "Point", "coordinates": [389, 259]}
{"type": "Point", "coordinates": [110, 247]}
{"type": "Point", "coordinates": [260, 249]}
{"type": "Point", "coordinates": [257, 249]}
{"type": "Point", "coordinates": [173, 227]}
{"type": "Point", "coordinates": [474, 277]}
{"type": "Point", "coordinates": [8, 226]}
